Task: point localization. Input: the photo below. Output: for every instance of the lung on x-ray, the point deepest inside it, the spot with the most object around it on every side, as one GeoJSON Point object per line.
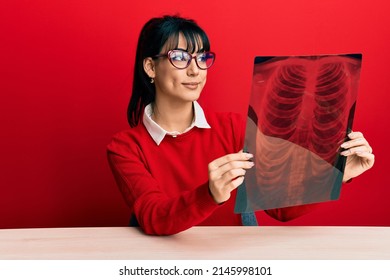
{"type": "Point", "coordinates": [300, 111]}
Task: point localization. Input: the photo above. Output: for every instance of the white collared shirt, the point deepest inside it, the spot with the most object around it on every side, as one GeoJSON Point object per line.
{"type": "Point", "coordinates": [158, 133]}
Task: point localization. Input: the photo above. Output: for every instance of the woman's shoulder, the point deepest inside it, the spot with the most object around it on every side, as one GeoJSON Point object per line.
{"type": "Point", "coordinates": [126, 137]}
{"type": "Point", "coordinates": [129, 132]}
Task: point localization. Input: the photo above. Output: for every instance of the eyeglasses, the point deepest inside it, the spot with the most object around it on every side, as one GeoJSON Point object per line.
{"type": "Point", "coordinates": [182, 59]}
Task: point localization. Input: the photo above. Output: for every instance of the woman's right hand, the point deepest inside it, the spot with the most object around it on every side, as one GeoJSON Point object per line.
{"type": "Point", "coordinates": [227, 173]}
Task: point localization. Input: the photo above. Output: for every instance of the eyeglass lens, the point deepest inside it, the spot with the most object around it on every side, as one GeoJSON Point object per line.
{"type": "Point", "coordinates": [182, 59]}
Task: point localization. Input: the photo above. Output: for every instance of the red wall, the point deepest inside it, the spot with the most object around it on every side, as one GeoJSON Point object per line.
{"type": "Point", "coordinates": [66, 72]}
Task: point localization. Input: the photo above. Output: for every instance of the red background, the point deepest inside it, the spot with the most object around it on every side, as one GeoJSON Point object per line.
{"type": "Point", "coordinates": [65, 80]}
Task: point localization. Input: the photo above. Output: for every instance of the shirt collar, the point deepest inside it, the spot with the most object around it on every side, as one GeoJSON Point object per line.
{"type": "Point", "coordinates": [158, 133]}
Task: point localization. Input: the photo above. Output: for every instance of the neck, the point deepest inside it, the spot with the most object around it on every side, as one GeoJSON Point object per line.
{"type": "Point", "coordinates": [173, 117]}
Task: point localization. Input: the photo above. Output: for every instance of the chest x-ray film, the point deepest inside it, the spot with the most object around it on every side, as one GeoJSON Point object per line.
{"type": "Point", "coordinates": [300, 111]}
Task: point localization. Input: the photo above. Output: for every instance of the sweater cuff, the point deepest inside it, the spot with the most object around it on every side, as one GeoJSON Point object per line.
{"type": "Point", "coordinates": [206, 199]}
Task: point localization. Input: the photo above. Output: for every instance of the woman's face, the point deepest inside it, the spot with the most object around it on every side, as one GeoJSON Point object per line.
{"type": "Point", "coordinates": [178, 85]}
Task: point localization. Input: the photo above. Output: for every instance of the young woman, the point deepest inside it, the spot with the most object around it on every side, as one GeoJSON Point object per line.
{"type": "Point", "coordinates": [179, 166]}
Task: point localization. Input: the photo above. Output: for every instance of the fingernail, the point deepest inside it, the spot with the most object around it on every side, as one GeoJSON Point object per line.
{"type": "Point", "coordinates": [344, 145]}
{"type": "Point", "coordinates": [248, 155]}
{"type": "Point", "coordinates": [251, 163]}
{"type": "Point", "coordinates": [351, 134]}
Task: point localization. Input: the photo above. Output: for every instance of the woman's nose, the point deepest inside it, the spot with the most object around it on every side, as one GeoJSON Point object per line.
{"type": "Point", "coordinates": [193, 68]}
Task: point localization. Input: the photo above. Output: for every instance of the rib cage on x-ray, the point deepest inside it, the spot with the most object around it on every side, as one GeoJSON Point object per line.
{"type": "Point", "coordinates": [299, 113]}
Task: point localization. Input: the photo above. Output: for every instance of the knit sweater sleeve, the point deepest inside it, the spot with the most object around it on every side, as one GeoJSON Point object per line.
{"type": "Point", "coordinates": [156, 212]}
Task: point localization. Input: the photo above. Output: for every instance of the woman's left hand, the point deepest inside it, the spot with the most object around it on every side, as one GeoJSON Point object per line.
{"type": "Point", "coordinates": [359, 155]}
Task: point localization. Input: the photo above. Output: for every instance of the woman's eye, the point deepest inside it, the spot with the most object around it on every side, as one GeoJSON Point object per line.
{"type": "Point", "coordinates": [202, 58]}
{"type": "Point", "coordinates": [179, 57]}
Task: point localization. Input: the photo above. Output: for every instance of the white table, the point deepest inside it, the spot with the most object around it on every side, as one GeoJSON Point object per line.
{"type": "Point", "coordinates": [224, 243]}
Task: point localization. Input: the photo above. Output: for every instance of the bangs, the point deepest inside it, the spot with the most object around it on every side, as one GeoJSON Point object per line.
{"type": "Point", "coordinates": [196, 40]}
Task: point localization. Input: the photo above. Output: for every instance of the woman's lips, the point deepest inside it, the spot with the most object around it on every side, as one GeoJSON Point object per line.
{"type": "Point", "coordinates": [191, 85]}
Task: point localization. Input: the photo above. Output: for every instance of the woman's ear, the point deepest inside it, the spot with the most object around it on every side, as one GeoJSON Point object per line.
{"type": "Point", "coordinates": [149, 67]}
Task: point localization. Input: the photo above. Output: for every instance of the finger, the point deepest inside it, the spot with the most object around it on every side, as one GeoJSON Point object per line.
{"type": "Point", "coordinates": [231, 170]}
{"type": "Point", "coordinates": [365, 154]}
{"type": "Point", "coordinates": [355, 142]}
{"type": "Point", "coordinates": [229, 158]}
{"type": "Point", "coordinates": [356, 150]}
{"type": "Point", "coordinates": [356, 139]}
{"type": "Point", "coordinates": [231, 166]}
{"type": "Point", "coordinates": [222, 194]}
{"type": "Point", "coordinates": [235, 183]}
{"type": "Point", "coordinates": [355, 134]}
{"type": "Point", "coordinates": [230, 176]}
{"type": "Point", "coordinates": [234, 173]}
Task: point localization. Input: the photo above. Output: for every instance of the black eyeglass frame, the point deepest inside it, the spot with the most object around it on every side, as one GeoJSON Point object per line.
{"type": "Point", "coordinates": [167, 55]}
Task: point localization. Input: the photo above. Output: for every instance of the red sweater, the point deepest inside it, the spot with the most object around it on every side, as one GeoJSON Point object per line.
{"type": "Point", "coordinates": [166, 186]}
